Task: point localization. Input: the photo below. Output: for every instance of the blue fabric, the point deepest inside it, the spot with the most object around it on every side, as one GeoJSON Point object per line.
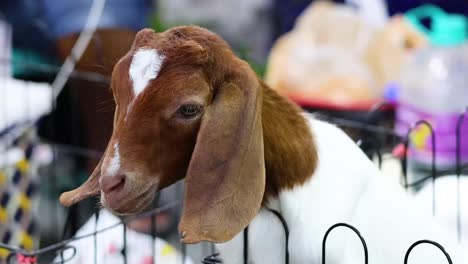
{"type": "Point", "coordinates": [69, 16]}
{"type": "Point", "coordinates": [285, 13]}
{"type": "Point", "coordinates": [451, 6]}
{"type": "Point", "coordinates": [37, 23]}
{"type": "Point", "coordinates": [29, 30]}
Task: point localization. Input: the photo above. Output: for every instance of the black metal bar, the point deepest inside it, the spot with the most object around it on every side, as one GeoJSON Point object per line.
{"type": "Point", "coordinates": [371, 118]}
{"type": "Point", "coordinates": [356, 124]}
{"type": "Point", "coordinates": [95, 236]}
{"type": "Point", "coordinates": [78, 151]}
{"type": "Point", "coordinates": [324, 241]}
{"type": "Point", "coordinates": [53, 70]}
{"type": "Point", "coordinates": [406, 144]}
{"type": "Point", "coordinates": [246, 245]}
{"type": "Point", "coordinates": [153, 240]}
{"type": "Point", "coordinates": [286, 233]}
{"type": "Point", "coordinates": [18, 251]}
{"type": "Point", "coordinates": [460, 120]}
{"type": "Point", "coordinates": [213, 249]}
{"type": "Point", "coordinates": [184, 252]}
{"type": "Point", "coordinates": [212, 259]}
{"type": "Point", "coordinates": [54, 166]}
{"type": "Point", "coordinates": [154, 230]}
{"type": "Point", "coordinates": [379, 154]}
{"type": "Point", "coordinates": [124, 248]}
{"type": "Point", "coordinates": [433, 153]}
{"type": "Point", "coordinates": [65, 228]}
{"type": "Point", "coordinates": [427, 242]}
{"type": "Point", "coordinates": [71, 257]}
{"type": "Point", "coordinates": [377, 148]}
{"type": "Point", "coordinates": [55, 247]}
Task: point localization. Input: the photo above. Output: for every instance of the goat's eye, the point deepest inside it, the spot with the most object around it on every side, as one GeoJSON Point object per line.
{"type": "Point", "coordinates": [189, 110]}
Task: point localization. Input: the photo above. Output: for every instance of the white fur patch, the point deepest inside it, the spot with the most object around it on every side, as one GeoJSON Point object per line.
{"type": "Point", "coordinates": [114, 164]}
{"type": "Point", "coordinates": [346, 187]}
{"type": "Point", "coordinates": [145, 66]}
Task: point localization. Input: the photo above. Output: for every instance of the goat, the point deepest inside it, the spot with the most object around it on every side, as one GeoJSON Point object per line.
{"type": "Point", "coordinates": [187, 107]}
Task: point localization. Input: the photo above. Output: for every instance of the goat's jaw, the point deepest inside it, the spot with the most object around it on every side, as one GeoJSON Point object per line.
{"type": "Point", "coordinates": [125, 202]}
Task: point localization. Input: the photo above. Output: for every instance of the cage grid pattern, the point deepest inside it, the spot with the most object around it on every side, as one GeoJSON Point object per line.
{"type": "Point", "coordinates": [373, 140]}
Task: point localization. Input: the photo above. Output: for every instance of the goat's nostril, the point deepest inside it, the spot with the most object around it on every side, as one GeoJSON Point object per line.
{"type": "Point", "coordinates": [112, 183]}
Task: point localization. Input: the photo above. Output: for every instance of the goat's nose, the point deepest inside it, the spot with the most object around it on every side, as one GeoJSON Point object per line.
{"type": "Point", "coordinates": [112, 183]}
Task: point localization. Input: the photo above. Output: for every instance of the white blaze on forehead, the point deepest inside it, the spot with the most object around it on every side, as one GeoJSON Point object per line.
{"type": "Point", "coordinates": [114, 164]}
{"type": "Point", "coordinates": [145, 66]}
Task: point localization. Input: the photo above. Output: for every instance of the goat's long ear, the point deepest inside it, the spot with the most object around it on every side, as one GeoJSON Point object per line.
{"type": "Point", "coordinates": [225, 181]}
{"type": "Point", "coordinates": [91, 186]}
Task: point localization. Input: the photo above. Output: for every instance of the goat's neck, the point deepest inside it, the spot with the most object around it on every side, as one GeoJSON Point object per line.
{"type": "Point", "coordinates": [290, 154]}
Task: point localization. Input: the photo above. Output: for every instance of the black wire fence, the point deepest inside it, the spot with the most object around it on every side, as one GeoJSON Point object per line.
{"type": "Point", "coordinates": [370, 131]}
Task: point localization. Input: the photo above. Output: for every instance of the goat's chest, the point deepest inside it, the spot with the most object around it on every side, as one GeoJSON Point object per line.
{"type": "Point", "coordinates": [309, 209]}
{"type": "Point", "coordinates": [266, 242]}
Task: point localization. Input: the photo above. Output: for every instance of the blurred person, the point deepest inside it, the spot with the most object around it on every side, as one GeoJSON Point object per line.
{"type": "Point", "coordinates": [140, 232]}
{"type": "Point", "coordinates": [110, 243]}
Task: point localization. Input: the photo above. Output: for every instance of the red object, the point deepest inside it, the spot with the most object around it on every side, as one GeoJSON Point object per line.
{"type": "Point", "coordinates": [322, 104]}
{"type": "Point", "coordinates": [112, 249]}
{"type": "Point", "coordinates": [26, 259]}
{"type": "Point", "coordinates": [147, 260]}
{"type": "Point", "coordinates": [399, 151]}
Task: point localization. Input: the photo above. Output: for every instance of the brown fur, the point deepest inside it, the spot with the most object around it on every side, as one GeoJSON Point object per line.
{"type": "Point", "coordinates": [247, 145]}
{"type": "Point", "coordinates": [290, 155]}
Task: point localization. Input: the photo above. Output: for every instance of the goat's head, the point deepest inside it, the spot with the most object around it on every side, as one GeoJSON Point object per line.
{"type": "Point", "coordinates": [186, 107]}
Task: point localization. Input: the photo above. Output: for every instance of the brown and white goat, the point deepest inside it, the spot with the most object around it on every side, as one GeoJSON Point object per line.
{"type": "Point", "coordinates": [187, 107]}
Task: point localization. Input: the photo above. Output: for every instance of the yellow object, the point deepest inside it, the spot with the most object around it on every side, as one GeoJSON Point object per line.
{"type": "Point", "coordinates": [419, 136]}
{"type": "Point", "coordinates": [23, 166]}
{"type": "Point", "coordinates": [24, 202]}
{"type": "Point", "coordinates": [4, 253]}
{"type": "Point", "coordinates": [3, 178]}
{"type": "Point", "coordinates": [167, 250]}
{"type": "Point", "coordinates": [3, 215]}
{"type": "Point", "coordinates": [26, 241]}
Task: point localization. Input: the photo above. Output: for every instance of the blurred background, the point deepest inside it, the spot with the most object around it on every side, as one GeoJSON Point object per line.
{"type": "Point", "coordinates": [374, 67]}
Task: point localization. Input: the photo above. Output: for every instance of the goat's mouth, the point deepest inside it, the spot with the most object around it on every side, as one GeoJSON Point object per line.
{"type": "Point", "coordinates": [128, 199]}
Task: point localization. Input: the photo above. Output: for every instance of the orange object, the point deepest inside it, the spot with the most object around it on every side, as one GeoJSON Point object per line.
{"type": "Point", "coordinates": [334, 59]}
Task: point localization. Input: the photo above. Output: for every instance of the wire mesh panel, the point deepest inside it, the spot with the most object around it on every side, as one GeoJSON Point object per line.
{"type": "Point", "coordinates": [64, 250]}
